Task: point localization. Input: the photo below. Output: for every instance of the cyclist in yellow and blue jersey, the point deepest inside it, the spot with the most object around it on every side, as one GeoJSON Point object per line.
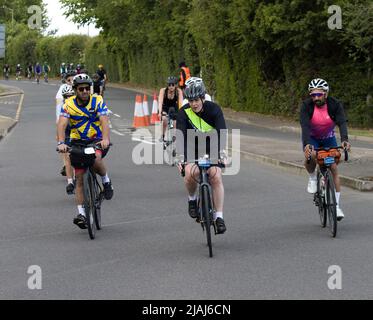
{"type": "Point", "coordinates": [87, 115]}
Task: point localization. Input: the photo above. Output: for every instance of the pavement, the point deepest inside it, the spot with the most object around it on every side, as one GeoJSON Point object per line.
{"type": "Point", "coordinates": [282, 148]}
{"type": "Point", "coordinates": [10, 107]}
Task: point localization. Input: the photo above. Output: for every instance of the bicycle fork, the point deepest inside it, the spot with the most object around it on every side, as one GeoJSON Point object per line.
{"type": "Point", "coordinates": [201, 219]}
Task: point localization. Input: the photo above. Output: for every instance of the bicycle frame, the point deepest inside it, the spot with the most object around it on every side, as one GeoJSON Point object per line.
{"type": "Point", "coordinates": [325, 197]}
{"type": "Point", "coordinates": [205, 200]}
{"type": "Point", "coordinates": [93, 193]}
{"type": "Point", "coordinates": [204, 182]}
{"type": "Point", "coordinates": [169, 140]}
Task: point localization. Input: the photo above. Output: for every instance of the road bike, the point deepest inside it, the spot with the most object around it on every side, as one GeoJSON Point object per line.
{"type": "Point", "coordinates": [92, 189]}
{"type": "Point", "coordinates": [29, 75]}
{"type": "Point", "coordinates": [19, 75]}
{"type": "Point", "coordinates": [205, 203]}
{"type": "Point", "coordinates": [170, 138]}
{"type": "Point", "coordinates": [325, 198]}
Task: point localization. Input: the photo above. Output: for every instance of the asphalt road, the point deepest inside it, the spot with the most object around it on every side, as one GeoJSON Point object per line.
{"type": "Point", "coordinates": [149, 248]}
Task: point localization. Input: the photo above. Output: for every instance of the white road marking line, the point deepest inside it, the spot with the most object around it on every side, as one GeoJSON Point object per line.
{"type": "Point", "coordinates": [141, 140]}
{"type": "Point", "coordinates": [117, 132]}
{"type": "Point", "coordinates": [19, 109]}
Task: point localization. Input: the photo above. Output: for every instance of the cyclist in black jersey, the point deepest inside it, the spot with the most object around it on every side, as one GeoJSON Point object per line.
{"type": "Point", "coordinates": [97, 86]}
{"type": "Point", "coordinates": [170, 98]}
{"type": "Point", "coordinates": [203, 116]}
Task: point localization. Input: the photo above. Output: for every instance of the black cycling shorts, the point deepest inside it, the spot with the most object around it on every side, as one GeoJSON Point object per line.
{"type": "Point", "coordinates": [172, 112]}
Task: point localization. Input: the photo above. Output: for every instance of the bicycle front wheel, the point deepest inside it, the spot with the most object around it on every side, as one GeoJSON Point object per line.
{"type": "Point", "coordinates": [89, 203]}
{"type": "Point", "coordinates": [321, 200]}
{"type": "Point", "coordinates": [98, 200]}
{"type": "Point", "coordinates": [331, 204]}
{"type": "Point", "coordinates": [207, 219]}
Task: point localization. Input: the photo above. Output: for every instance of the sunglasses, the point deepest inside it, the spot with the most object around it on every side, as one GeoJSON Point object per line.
{"type": "Point", "coordinates": [81, 89]}
{"type": "Point", "coordinates": [313, 95]}
{"type": "Point", "coordinates": [171, 84]}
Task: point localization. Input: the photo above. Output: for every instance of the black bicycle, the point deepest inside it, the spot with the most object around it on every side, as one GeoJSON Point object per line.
{"type": "Point", "coordinates": [92, 189]}
{"type": "Point", "coordinates": [205, 202]}
{"type": "Point", "coordinates": [324, 198]}
{"type": "Point", "coordinates": [169, 140]}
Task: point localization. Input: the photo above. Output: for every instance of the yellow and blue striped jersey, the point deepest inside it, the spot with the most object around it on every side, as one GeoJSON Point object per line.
{"type": "Point", "coordinates": [85, 121]}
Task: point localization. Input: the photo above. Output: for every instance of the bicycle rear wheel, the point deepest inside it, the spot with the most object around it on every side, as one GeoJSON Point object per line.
{"type": "Point", "coordinates": [331, 204]}
{"type": "Point", "coordinates": [321, 200]}
{"type": "Point", "coordinates": [207, 219]}
{"type": "Point", "coordinates": [89, 203]}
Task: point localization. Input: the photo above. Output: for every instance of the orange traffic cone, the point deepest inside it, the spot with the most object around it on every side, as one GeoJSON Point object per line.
{"type": "Point", "coordinates": [138, 119]}
{"type": "Point", "coordinates": [154, 119]}
{"type": "Point", "coordinates": [145, 108]}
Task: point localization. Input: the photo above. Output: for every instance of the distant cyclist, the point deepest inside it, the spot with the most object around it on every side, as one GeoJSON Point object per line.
{"type": "Point", "coordinates": [67, 91]}
{"type": "Point", "coordinates": [170, 98]}
{"type": "Point", "coordinates": [18, 72]}
{"type": "Point", "coordinates": [88, 117]}
{"type": "Point", "coordinates": [97, 86]}
{"type": "Point", "coordinates": [46, 70]}
{"type": "Point", "coordinates": [38, 71]}
{"type": "Point", "coordinates": [63, 70]}
{"type": "Point", "coordinates": [103, 75]}
{"type": "Point", "coordinates": [70, 67]}
{"type": "Point", "coordinates": [29, 71]}
{"type": "Point", "coordinates": [78, 69]}
{"type": "Point", "coordinates": [318, 117]}
{"type": "Point", "coordinates": [6, 71]}
{"type": "Point", "coordinates": [59, 104]}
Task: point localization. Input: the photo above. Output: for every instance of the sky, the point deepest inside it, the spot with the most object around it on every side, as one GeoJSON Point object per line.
{"type": "Point", "coordinates": [63, 24]}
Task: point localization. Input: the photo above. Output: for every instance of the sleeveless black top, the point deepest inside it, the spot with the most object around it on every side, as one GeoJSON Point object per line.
{"type": "Point", "coordinates": [170, 103]}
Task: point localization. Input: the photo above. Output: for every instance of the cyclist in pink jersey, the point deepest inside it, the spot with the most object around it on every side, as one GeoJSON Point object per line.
{"type": "Point", "coordinates": [318, 117]}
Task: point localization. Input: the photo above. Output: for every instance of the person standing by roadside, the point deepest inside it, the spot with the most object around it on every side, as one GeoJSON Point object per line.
{"type": "Point", "coordinates": [184, 74]}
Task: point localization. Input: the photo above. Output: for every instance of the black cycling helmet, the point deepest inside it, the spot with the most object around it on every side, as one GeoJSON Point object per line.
{"type": "Point", "coordinates": [171, 80]}
{"type": "Point", "coordinates": [81, 79]}
{"type": "Point", "coordinates": [70, 74]}
{"type": "Point", "coordinates": [195, 90]}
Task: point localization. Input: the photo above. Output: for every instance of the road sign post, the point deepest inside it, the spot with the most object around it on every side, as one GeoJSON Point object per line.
{"type": "Point", "coordinates": [2, 41]}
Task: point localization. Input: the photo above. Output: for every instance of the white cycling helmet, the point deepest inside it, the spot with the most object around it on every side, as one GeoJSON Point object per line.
{"type": "Point", "coordinates": [67, 91]}
{"type": "Point", "coordinates": [193, 80]}
{"type": "Point", "coordinates": [81, 79]}
{"type": "Point", "coordinates": [318, 84]}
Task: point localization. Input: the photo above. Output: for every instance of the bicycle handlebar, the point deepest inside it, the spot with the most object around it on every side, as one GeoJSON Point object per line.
{"type": "Point", "coordinates": [326, 149]}
{"type": "Point", "coordinates": [219, 165]}
{"type": "Point", "coordinates": [97, 146]}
